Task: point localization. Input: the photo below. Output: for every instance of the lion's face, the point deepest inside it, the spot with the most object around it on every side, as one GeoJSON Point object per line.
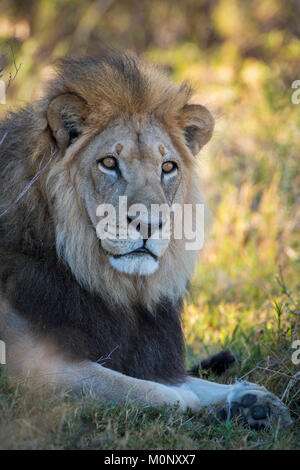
{"type": "Point", "coordinates": [136, 160]}
{"type": "Point", "coordinates": [120, 129]}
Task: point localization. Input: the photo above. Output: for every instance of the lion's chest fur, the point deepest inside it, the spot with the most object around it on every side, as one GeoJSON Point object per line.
{"type": "Point", "coordinates": [142, 344]}
{"type": "Point", "coordinates": [149, 346]}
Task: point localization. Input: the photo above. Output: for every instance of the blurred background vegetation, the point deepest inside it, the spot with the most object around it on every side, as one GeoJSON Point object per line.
{"type": "Point", "coordinates": [241, 57]}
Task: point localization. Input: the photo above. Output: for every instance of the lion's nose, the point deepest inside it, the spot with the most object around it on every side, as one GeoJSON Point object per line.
{"type": "Point", "coordinates": [145, 227]}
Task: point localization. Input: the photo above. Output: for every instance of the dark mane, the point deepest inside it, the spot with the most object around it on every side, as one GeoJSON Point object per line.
{"type": "Point", "coordinates": [144, 344]}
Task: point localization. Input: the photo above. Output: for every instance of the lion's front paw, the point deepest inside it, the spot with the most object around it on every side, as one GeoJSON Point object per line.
{"type": "Point", "coordinates": [255, 406]}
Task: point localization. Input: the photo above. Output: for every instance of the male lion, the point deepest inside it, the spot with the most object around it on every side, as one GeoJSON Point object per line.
{"type": "Point", "coordinates": [103, 315]}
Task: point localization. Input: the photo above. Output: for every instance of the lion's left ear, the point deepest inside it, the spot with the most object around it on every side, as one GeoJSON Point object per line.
{"type": "Point", "coordinates": [66, 115]}
{"type": "Point", "coordinates": [198, 126]}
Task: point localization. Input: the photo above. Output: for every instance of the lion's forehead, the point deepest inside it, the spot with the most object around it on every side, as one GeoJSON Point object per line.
{"type": "Point", "coordinates": [134, 141]}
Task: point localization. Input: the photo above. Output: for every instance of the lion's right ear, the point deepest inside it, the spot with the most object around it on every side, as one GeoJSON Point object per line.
{"type": "Point", "coordinates": [66, 115]}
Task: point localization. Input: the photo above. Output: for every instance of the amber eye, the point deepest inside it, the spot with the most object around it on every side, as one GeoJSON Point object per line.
{"type": "Point", "coordinates": [168, 167]}
{"type": "Point", "coordinates": [110, 163]}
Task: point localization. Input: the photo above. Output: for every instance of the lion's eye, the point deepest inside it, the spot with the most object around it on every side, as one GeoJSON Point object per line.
{"type": "Point", "coordinates": [168, 167]}
{"type": "Point", "coordinates": [110, 163]}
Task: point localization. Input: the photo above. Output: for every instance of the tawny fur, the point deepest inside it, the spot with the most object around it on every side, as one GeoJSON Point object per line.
{"type": "Point", "coordinates": [70, 317]}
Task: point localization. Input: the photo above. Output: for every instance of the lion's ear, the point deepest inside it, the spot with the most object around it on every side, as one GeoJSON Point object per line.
{"type": "Point", "coordinates": [66, 115]}
{"type": "Point", "coordinates": [198, 126]}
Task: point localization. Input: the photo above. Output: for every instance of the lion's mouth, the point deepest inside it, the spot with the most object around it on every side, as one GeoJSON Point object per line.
{"type": "Point", "coordinates": [138, 252]}
{"type": "Point", "coordinates": [140, 261]}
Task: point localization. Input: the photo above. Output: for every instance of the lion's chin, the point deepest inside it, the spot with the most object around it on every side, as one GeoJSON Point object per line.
{"type": "Point", "coordinates": [139, 264]}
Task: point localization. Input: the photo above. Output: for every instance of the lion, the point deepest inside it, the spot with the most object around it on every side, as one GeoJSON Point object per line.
{"type": "Point", "coordinates": [101, 314]}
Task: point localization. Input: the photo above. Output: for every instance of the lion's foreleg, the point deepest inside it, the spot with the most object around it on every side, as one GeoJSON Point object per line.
{"type": "Point", "coordinates": [115, 387]}
{"type": "Point", "coordinates": [41, 363]}
{"type": "Point", "coordinates": [208, 393]}
{"type": "Point", "coordinates": [98, 381]}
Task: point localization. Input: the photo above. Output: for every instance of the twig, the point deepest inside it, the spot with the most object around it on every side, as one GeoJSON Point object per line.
{"type": "Point", "coordinates": [11, 78]}
{"type": "Point", "coordinates": [30, 184]}
{"type": "Point", "coordinates": [108, 357]}
{"type": "Point", "coordinates": [291, 377]}
{"type": "Point", "coordinates": [282, 284]}
{"type": "Point", "coordinates": [3, 138]}
{"type": "Point", "coordinates": [293, 380]}
{"type": "Point", "coordinates": [250, 372]}
{"type": "Point", "coordinates": [275, 372]}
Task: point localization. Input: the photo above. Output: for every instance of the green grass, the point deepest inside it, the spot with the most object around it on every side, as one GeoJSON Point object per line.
{"type": "Point", "coordinates": [42, 420]}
